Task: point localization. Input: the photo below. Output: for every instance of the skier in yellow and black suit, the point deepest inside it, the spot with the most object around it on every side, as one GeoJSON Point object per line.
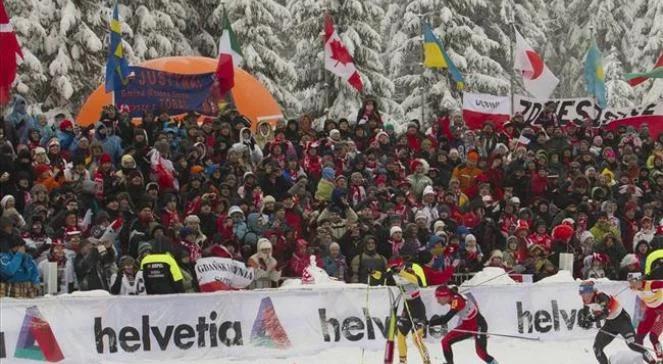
{"type": "Point", "coordinates": [409, 277]}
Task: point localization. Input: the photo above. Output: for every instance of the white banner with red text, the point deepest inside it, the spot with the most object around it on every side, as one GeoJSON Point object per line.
{"type": "Point", "coordinates": [252, 324]}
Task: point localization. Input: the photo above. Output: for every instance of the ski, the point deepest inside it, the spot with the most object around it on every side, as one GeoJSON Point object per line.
{"type": "Point", "coordinates": [391, 329]}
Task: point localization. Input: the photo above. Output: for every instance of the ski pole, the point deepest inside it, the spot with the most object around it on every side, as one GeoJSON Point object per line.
{"type": "Point", "coordinates": [418, 340]}
{"type": "Point", "coordinates": [517, 270]}
{"type": "Point", "coordinates": [368, 288]}
{"type": "Point", "coordinates": [634, 343]}
{"type": "Point", "coordinates": [495, 334]}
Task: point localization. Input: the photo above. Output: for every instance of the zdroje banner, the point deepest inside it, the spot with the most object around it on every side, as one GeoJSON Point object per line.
{"type": "Point", "coordinates": [172, 93]}
{"type": "Point", "coordinates": [478, 108]}
{"type": "Point", "coordinates": [264, 323]}
{"type": "Point", "coordinates": [578, 109]}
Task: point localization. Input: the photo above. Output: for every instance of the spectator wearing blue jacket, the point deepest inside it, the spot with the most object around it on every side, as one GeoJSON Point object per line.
{"type": "Point", "coordinates": [111, 143]}
{"type": "Point", "coordinates": [18, 272]}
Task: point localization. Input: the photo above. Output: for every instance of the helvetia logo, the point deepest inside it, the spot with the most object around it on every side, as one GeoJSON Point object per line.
{"type": "Point", "coordinates": [36, 340]}
{"type": "Point", "coordinates": [267, 329]}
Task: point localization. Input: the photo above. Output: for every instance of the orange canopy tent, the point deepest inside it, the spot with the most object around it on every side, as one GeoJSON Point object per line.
{"type": "Point", "coordinates": [250, 97]}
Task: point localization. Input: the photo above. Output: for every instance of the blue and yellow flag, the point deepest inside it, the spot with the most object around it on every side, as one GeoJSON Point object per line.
{"type": "Point", "coordinates": [117, 68]}
{"type": "Point", "coordinates": [595, 75]}
{"type": "Point", "coordinates": [436, 57]}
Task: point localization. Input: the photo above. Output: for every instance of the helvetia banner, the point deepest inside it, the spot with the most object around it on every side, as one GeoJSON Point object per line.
{"type": "Point", "coordinates": [252, 324]}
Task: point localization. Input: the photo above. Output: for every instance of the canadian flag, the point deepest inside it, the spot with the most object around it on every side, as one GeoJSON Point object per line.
{"type": "Point", "coordinates": [537, 78]}
{"type": "Point", "coordinates": [9, 49]}
{"type": "Point", "coordinates": [337, 58]}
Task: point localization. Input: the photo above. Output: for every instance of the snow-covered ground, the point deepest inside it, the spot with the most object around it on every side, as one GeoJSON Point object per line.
{"type": "Point", "coordinates": [506, 351]}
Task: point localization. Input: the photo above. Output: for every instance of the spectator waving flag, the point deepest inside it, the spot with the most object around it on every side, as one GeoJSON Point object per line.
{"type": "Point", "coordinates": [337, 58]}
{"type": "Point", "coordinates": [436, 57]}
{"type": "Point", "coordinates": [9, 48]}
{"type": "Point", "coordinates": [117, 68]}
{"type": "Point", "coordinates": [537, 78]}
{"type": "Point", "coordinates": [595, 75]}
{"type": "Point", "coordinates": [230, 56]}
{"type": "Point", "coordinates": [635, 79]}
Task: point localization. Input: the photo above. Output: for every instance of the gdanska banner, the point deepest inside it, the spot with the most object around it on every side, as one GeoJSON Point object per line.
{"type": "Point", "coordinates": [170, 92]}
{"type": "Point", "coordinates": [222, 274]}
{"type": "Point", "coordinates": [255, 324]}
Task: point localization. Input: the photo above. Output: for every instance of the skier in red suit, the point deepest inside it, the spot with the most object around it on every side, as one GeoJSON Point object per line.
{"type": "Point", "coordinates": [471, 324]}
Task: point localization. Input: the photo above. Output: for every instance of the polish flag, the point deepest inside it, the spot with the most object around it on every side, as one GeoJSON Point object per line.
{"type": "Point", "coordinates": [337, 58]}
{"type": "Point", "coordinates": [479, 108]}
{"type": "Point", "coordinates": [537, 78]}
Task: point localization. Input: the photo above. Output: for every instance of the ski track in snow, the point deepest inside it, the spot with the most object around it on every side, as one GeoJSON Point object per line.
{"type": "Point", "coordinates": [505, 351]}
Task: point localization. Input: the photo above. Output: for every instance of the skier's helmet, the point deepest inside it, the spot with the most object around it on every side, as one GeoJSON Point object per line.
{"type": "Point", "coordinates": [443, 291]}
{"type": "Point", "coordinates": [586, 287]}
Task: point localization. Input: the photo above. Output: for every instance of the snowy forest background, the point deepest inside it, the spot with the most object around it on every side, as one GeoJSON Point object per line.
{"type": "Point", "coordinates": [64, 44]}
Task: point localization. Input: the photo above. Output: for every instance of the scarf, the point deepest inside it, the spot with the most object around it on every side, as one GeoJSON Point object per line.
{"type": "Point", "coordinates": [194, 251]}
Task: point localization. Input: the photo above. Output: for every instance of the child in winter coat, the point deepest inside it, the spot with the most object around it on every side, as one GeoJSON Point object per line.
{"type": "Point", "coordinates": [127, 281]}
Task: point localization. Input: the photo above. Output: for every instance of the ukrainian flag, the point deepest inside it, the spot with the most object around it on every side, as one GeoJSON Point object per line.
{"type": "Point", "coordinates": [436, 57]}
{"type": "Point", "coordinates": [117, 67]}
{"type": "Point", "coordinates": [595, 75]}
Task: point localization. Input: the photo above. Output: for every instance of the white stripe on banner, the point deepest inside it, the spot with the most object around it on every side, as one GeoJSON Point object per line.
{"type": "Point", "coordinates": [266, 323]}
{"type": "Point", "coordinates": [269, 117]}
{"type": "Point", "coordinates": [6, 28]}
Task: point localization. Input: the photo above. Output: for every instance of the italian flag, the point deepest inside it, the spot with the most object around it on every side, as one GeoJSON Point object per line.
{"type": "Point", "coordinates": [230, 56]}
{"type": "Point", "coordinates": [635, 79]}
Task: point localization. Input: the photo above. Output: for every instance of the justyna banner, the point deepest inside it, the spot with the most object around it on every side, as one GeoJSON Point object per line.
{"type": "Point", "coordinates": [172, 93]}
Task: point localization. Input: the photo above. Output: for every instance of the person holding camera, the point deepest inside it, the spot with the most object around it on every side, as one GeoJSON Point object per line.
{"type": "Point", "coordinates": [91, 264]}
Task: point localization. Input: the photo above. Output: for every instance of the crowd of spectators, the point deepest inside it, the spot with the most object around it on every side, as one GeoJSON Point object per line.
{"type": "Point", "coordinates": [355, 193]}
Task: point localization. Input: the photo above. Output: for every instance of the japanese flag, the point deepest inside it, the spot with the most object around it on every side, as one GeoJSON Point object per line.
{"type": "Point", "coordinates": [537, 78]}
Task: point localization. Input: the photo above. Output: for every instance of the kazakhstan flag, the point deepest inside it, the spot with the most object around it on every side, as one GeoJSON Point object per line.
{"type": "Point", "coordinates": [117, 68]}
{"type": "Point", "coordinates": [595, 75]}
{"type": "Point", "coordinates": [436, 57]}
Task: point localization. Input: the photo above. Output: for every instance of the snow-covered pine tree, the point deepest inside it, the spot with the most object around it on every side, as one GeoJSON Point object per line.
{"type": "Point", "coordinates": [307, 42]}
{"type": "Point", "coordinates": [652, 47]}
{"type": "Point", "coordinates": [60, 50]}
{"type": "Point", "coordinates": [571, 37]}
{"type": "Point", "coordinates": [358, 24]}
{"type": "Point", "coordinates": [478, 47]}
{"type": "Point", "coordinates": [619, 92]}
{"type": "Point", "coordinates": [65, 43]}
{"type": "Point", "coordinates": [258, 25]}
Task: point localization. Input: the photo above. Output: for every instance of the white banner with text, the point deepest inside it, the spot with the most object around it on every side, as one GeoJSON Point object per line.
{"type": "Point", "coordinates": [252, 324]}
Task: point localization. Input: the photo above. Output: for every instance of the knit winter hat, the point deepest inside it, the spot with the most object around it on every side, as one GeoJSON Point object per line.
{"type": "Point", "coordinates": [394, 230]}
{"type": "Point", "coordinates": [328, 173]}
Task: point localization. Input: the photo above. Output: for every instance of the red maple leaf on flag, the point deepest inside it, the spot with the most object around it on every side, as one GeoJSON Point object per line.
{"type": "Point", "coordinates": [339, 52]}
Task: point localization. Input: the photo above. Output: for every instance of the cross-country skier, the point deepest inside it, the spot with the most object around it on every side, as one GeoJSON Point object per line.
{"type": "Point", "coordinates": [472, 323]}
{"type": "Point", "coordinates": [651, 293]}
{"type": "Point", "coordinates": [598, 306]}
{"type": "Point", "coordinates": [409, 277]}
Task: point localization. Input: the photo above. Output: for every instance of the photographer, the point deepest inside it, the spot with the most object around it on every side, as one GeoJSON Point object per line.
{"type": "Point", "coordinates": [92, 262]}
